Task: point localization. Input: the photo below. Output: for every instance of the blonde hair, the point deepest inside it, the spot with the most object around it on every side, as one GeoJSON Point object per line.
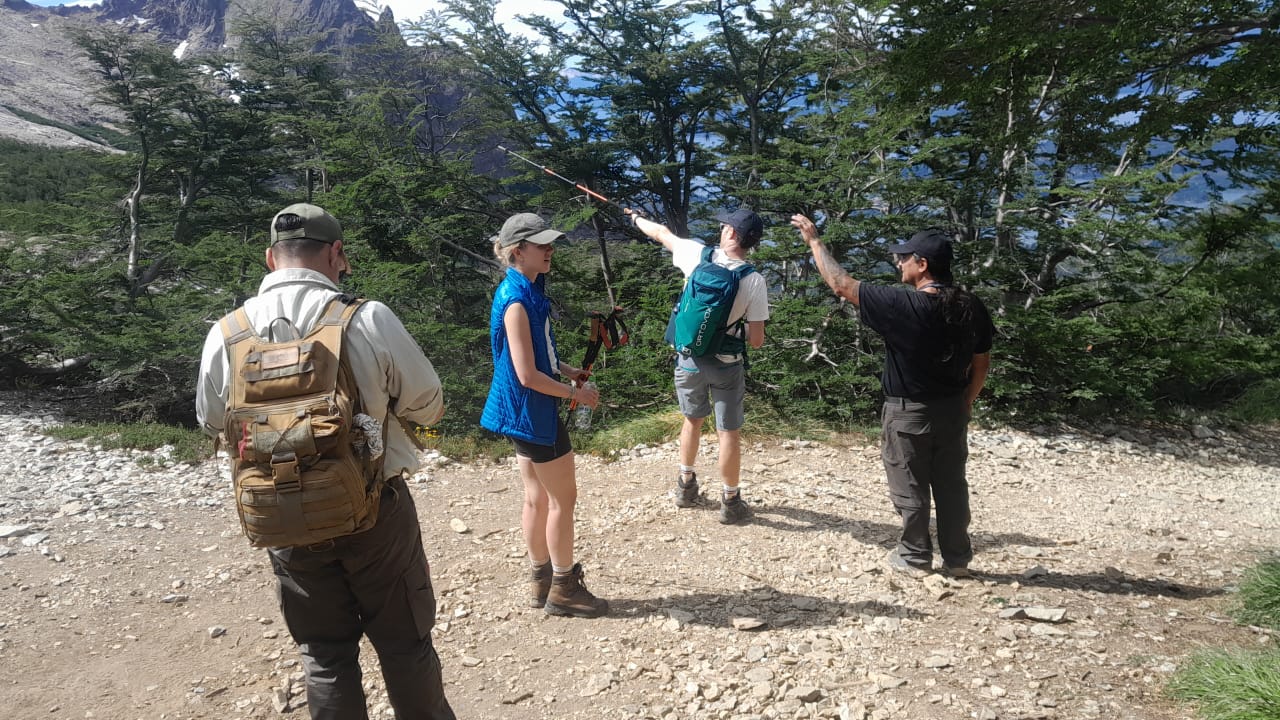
{"type": "Point", "coordinates": [506, 255]}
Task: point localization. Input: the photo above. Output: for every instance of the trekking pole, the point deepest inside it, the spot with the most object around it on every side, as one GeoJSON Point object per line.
{"type": "Point", "coordinates": [558, 176]}
{"type": "Point", "coordinates": [608, 331]}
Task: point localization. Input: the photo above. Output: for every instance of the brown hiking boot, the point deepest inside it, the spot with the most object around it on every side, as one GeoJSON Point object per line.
{"type": "Point", "coordinates": [570, 597]}
{"type": "Point", "coordinates": [540, 584]}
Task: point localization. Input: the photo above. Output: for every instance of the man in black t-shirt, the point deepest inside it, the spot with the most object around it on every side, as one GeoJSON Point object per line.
{"type": "Point", "coordinates": [937, 344]}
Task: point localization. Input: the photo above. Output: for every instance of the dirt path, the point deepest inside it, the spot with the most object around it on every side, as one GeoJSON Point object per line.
{"type": "Point", "coordinates": [142, 600]}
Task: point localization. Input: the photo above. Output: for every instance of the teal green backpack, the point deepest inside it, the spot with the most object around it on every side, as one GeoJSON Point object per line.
{"type": "Point", "coordinates": [698, 323]}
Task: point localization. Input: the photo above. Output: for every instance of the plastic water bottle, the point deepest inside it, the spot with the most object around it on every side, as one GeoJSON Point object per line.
{"type": "Point", "coordinates": [582, 413]}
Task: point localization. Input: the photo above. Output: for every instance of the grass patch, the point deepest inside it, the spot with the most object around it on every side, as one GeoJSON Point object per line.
{"type": "Point", "coordinates": [466, 448]}
{"type": "Point", "coordinates": [185, 445]}
{"type": "Point", "coordinates": [1258, 600]}
{"type": "Point", "coordinates": [1231, 684]}
{"type": "Point", "coordinates": [92, 133]}
{"type": "Point", "coordinates": [764, 423]}
{"type": "Point", "coordinates": [650, 429]}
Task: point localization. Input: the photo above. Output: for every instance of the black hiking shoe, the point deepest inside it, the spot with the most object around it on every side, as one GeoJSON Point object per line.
{"type": "Point", "coordinates": [570, 597]}
{"type": "Point", "coordinates": [733, 510]}
{"type": "Point", "coordinates": [686, 494]}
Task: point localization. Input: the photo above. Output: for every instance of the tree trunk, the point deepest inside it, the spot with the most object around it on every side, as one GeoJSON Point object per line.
{"type": "Point", "coordinates": [133, 203]}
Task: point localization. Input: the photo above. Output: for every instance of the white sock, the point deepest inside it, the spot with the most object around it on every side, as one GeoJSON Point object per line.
{"type": "Point", "coordinates": [730, 492]}
{"type": "Point", "coordinates": [561, 570]}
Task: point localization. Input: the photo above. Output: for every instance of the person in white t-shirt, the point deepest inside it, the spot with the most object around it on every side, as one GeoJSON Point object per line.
{"type": "Point", "coordinates": [720, 379]}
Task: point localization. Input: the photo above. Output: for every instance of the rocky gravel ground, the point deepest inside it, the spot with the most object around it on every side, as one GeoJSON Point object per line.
{"type": "Point", "coordinates": [1103, 559]}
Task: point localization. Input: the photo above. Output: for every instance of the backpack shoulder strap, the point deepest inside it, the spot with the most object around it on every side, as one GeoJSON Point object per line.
{"type": "Point", "coordinates": [707, 252]}
{"type": "Point", "coordinates": [237, 330]}
{"type": "Point", "coordinates": [236, 327]}
{"type": "Point", "coordinates": [335, 318]}
{"type": "Point", "coordinates": [340, 310]}
{"type": "Point", "coordinates": [740, 272]}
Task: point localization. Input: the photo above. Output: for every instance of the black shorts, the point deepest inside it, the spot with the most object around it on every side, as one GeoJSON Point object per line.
{"type": "Point", "coordinates": [546, 453]}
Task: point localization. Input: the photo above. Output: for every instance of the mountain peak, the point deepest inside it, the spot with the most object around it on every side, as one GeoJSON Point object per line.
{"type": "Point", "coordinates": [206, 25]}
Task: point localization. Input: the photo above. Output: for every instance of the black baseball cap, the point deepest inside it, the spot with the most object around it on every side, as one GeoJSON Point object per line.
{"type": "Point", "coordinates": [933, 244]}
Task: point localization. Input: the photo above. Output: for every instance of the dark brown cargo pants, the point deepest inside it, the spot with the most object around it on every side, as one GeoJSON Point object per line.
{"type": "Point", "coordinates": [376, 583]}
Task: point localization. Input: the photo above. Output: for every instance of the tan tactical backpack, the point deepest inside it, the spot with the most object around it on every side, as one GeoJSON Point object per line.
{"type": "Point", "coordinates": [304, 471]}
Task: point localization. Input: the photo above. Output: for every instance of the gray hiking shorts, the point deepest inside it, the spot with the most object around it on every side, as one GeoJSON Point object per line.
{"type": "Point", "coordinates": [703, 380]}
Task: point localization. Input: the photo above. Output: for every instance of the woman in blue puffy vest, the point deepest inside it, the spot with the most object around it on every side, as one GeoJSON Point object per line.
{"type": "Point", "coordinates": [523, 404]}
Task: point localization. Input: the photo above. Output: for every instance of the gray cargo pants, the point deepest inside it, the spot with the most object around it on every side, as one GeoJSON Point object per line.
{"type": "Point", "coordinates": [375, 583]}
{"type": "Point", "coordinates": [924, 446]}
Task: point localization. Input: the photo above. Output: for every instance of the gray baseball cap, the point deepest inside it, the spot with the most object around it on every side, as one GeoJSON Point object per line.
{"type": "Point", "coordinates": [527, 227]}
{"type": "Point", "coordinates": [316, 225]}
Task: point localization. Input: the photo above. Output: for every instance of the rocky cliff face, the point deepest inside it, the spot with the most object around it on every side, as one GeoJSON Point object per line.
{"type": "Point", "coordinates": [210, 24]}
{"type": "Point", "coordinates": [45, 82]}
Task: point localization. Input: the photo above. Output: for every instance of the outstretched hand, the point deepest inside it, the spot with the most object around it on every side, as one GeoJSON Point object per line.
{"type": "Point", "coordinates": [808, 231]}
{"type": "Point", "coordinates": [837, 279]}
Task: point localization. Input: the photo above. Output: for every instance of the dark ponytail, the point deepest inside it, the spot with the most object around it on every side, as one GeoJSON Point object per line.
{"type": "Point", "coordinates": [955, 306]}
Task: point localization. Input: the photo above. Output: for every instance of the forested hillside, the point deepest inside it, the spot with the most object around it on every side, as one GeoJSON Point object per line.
{"type": "Point", "coordinates": [1108, 171]}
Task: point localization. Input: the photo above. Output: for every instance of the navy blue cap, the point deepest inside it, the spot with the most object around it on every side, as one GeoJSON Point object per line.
{"type": "Point", "coordinates": [747, 223]}
{"type": "Point", "coordinates": [932, 244]}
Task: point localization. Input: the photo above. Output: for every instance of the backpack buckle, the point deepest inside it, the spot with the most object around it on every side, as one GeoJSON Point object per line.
{"type": "Point", "coordinates": [284, 471]}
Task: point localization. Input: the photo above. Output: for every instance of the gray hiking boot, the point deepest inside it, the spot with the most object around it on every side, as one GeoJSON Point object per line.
{"type": "Point", "coordinates": [899, 564]}
{"type": "Point", "coordinates": [570, 597]}
{"type": "Point", "coordinates": [733, 510]}
{"type": "Point", "coordinates": [687, 494]}
{"type": "Point", "coordinates": [539, 585]}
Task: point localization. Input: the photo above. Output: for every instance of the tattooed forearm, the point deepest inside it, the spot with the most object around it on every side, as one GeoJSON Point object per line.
{"type": "Point", "coordinates": [835, 276]}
